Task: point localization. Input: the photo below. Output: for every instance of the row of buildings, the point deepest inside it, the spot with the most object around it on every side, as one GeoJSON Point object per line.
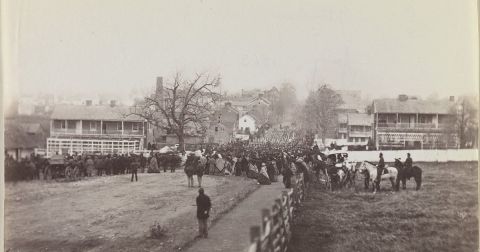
{"type": "Point", "coordinates": [403, 122]}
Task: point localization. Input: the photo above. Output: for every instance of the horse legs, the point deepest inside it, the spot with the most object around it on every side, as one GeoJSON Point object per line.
{"type": "Point", "coordinates": [397, 185]}
{"type": "Point", "coordinates": [392, 180]}
{"type": "Point", "coordinates": [376, 185]}
{"type": "Point", "coordinates": [190, 181]}
{"type": "Point", "coordinates": [418, 181]}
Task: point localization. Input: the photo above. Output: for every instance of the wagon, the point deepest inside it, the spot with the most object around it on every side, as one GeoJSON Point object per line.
{"type": "Point", "coordinates": [58, 169]}
{"type": "Point", "coordinates": [339, 160]}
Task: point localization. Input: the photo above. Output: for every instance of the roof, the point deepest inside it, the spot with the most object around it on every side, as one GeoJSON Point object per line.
{"type": "Point", "coordinates": [263, 99]}
{"type": "Point", "coordinates": [24, 135]}
{"type": "Point", "coordinates": [238, 101]}
{"type": "Point", "coordinates": [359, 119]}
{"type": "Point", "coordinates": [94, 112]}
{"type": "Point", "coordinates": [411, 106]}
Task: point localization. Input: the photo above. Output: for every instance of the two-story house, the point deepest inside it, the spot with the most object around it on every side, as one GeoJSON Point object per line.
{"type": "Point", "coordinates": [95, 129]}
{"type": "Point", "coordinates": [355, 129]}
{"type": "Point", "coordinates": [411, 123]}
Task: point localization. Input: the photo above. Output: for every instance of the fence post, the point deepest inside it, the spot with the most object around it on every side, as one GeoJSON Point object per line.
{"type": "Point", "coordinates": [266, 220]}
{"type": "Point", "coordinates": [255, 237]}
{"type": "Point", "coordinates": [289, 217]}
{"type": "Point", "coordinates": [281, 219]}
{"type": "Point", "coordinates": [295, 192]}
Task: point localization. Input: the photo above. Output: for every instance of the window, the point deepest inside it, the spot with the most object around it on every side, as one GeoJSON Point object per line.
{"type": "Point", "coordinates": [135, 127]}
{"type": "Point", "coordinates": [119, 126]}
{"type": "Point", "coordinates": [244, 120]}
{"type": "Point", "coordinates": [216, 129]}
{"type": "Point", "coordinates": [72, 125]}
{"type": "Point", "coordinates": [92, 126]}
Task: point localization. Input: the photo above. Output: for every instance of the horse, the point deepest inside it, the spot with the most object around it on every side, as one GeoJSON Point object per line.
{"type": "Point", "coordinates": [351, 174]}
{"type": "Point", "coordinates": [407, 173]}
{"type": "Point", "coordinates": [336, 177]}
{"type": "Point", "coordinates": [371, 171]}
{"type": "Point", "coordinates": [317, 163]}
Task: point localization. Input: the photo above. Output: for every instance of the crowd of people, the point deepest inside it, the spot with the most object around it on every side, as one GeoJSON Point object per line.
{"type": "Point", "coordinates": [79, 166]}
{"type": "Point", "coordinates": [263, 161]}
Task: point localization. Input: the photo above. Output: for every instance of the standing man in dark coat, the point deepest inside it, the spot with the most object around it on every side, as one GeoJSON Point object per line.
{"type": "Point", "coordinates": [287, 175]}
{"type": "Point", "coordinates": [143, 162]}
{"type": "Point", "coordinates": [134, 165]}
{"type": "Point", "coordinates": [203, 212]}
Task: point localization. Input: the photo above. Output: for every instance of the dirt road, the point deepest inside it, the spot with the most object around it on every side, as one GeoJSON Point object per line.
{"type": "Point", "coordinates": [111, 213]}
{"type": "Point", "coordinates": [232, 231]}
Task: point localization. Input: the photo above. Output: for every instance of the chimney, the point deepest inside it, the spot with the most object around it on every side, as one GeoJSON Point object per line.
{"type": "Point", "coordinates": [88, 102]}
{"type": "Point", "coordinates": [159, 87]}
{"type": "Point", "coordinates": [113, 103]}
{"type": "Point", "coordinates": [452, 98]}
{"type": "Point", "coordinates": [402, 97]}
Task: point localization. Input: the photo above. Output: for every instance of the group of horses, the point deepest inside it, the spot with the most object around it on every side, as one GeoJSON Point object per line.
{"type": "Point", "coordinates": [338, 177]}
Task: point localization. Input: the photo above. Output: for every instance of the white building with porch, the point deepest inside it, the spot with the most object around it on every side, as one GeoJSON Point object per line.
{"type": "Point", "coordinates": [410, 123]}
{"type": "Point", "coordinates": [95, 129]}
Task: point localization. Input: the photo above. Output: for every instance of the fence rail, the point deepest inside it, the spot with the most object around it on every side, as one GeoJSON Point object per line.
{"type": "Point", "coordinates": [274, 231]}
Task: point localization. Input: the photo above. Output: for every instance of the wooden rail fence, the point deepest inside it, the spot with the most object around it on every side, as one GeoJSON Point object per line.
{"type": "Point", "coordinates": [274, 233]}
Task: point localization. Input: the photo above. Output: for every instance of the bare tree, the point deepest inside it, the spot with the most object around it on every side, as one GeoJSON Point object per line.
{"type": "Point", "coordinates": [320, 111]}
{"type": "Point", "coordinates": [466, 121]}
{"type": "Point", "coordinates": [183, 104]}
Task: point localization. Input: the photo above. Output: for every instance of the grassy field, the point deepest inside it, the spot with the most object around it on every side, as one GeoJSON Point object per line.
{"type": "Point", "coordinates": [111, 213]}
{"type": "Point", "coordinates": [442, 216]}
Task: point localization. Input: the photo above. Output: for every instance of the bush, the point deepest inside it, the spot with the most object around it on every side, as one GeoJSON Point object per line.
{"type": "Point", "coordinates": [157, 231]}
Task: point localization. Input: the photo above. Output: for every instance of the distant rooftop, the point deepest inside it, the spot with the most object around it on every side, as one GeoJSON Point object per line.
{"type": "Point", "coordinates": [355, 119]}
{"type": "Point", "coordinates": [412, 106]}
{"type": "Point", "coordinates": [94, 112]}
{"type": "Point", "coordinates": [359, 119]}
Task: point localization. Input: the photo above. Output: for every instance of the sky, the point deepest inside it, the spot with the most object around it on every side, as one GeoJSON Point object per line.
{"type": "Point", "coordinates": [380, 47]}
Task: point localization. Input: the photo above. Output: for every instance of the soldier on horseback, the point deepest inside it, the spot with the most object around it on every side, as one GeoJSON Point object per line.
{"type": "Point", "coordinates": [380, 167]}
{"type": "Point", "coordinates": [408, 162]}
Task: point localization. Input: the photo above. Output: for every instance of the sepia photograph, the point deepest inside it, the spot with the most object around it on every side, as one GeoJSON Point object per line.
{"type": "Point", "coordinates": [239, 126]}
